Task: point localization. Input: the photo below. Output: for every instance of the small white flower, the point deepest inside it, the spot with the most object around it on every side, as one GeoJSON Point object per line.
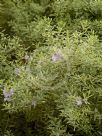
{"type": "Point", "coordinates": [79, 101]}
{"type": "Point", "coordinates": [7, 99]}
{"type": "Point", "coordinates": [26, 57]}
{"type": "Point", "coordinates": [34, 103]}
{"type": "Point", "coordinates": [17, 71]}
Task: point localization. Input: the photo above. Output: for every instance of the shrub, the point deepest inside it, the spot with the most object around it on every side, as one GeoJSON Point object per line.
{"type": "Point", "coordinates": [51, 68]}
{"type": "Point", "coordinates": [62, 83]}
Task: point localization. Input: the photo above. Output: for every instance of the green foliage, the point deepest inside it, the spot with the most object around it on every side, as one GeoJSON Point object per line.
{"type": "Point", "coordinates": [82, 9]}
{"type": "Point", "coordinates": [51, 68]}
{"type": "Point", "coordinates": [12, 53]}
{"type": "Point", "coordinates": [8, 133]}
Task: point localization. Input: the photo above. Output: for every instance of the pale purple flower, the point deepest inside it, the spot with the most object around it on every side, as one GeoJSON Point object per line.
{"type": "Point", "coordinates": [56, 57]}
{"type": "Point", "coordinates": [8, 95]}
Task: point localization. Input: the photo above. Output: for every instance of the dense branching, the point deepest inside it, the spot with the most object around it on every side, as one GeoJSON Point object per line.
{"type": "Point", "coordinates": [51, 68]}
